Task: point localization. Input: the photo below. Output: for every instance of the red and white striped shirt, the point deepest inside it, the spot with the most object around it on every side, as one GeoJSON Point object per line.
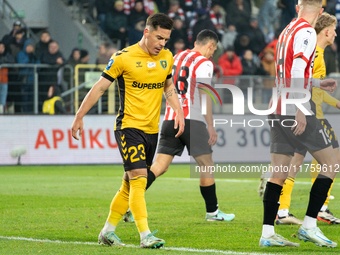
{"type": "Point", "coordinates": [297, 40]}
{"type": "Point", "coordinates": [179, 13]}
{"type": "Point", "coordinates": [149, 7]}
{"type": "Point", "coordinates": [190, 69]}
{"type": "Point", "coordinates": [216, 18]}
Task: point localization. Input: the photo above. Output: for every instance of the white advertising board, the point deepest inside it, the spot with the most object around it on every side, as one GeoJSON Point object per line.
{"type": "Point", "coordinates": [48, 140]}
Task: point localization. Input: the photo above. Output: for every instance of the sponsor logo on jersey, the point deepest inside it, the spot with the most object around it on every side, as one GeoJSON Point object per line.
{"type": "Point", "coordinates": [151, 64]}
{"type": "Point", "coordinates": [164, 64]}
{"type": "Point", "coordinates": [142, 85]}
{"type": "Point", "coordinates": [138, 64]}
{"type": "Point", "coordinates": [109, 64]}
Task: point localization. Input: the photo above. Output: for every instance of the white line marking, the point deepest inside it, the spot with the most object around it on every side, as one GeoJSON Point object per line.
{"type": "Point", "coordinates": [229, 180]}
{"type": "Point", "coordinates": [135, 246]}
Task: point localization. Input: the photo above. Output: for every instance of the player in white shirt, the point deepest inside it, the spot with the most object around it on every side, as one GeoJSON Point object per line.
{"type": "Point", "coordinates": [294, 64]}
{"type": "Point", "coordinates": [191, 69]}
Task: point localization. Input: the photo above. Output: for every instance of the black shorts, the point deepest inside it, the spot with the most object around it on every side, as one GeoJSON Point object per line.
{"type": "Point", "coordinates": [136, 148]}
{"type": "Point", "coordinates": [330, 133]}
{"type": "Point", "coordinates": [283, 140]}
{"type": "Point", "coordinates": [195, 137]}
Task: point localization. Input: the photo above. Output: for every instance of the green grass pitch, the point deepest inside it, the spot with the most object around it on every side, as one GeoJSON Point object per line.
{"type": "Point", "coordinates": [70, 204]}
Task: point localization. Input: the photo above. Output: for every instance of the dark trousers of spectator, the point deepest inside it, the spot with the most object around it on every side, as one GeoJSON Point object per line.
{"type": "Point", "coordinates": [27, 98]}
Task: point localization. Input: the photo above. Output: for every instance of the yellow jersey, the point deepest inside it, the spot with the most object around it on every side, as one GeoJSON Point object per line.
{"type": "Point", "coordinates": [141, 78]}
{"type": "Point", "coordinates": [48, 105]}
{"type": "Point", "coordinates": [320, 95]}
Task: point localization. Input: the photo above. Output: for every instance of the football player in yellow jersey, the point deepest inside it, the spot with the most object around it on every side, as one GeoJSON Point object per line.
{"type": "Point", "coordinates": [325, 29]}
{"type": "Point", "coordinates": [143, 72]}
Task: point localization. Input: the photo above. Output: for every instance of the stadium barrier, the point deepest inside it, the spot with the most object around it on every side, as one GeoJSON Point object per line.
{"type": "Point", "coordinates": [19, 84]}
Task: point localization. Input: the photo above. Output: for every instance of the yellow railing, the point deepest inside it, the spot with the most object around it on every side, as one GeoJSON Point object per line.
{"type": "Point", "coordinates": [111, 90]}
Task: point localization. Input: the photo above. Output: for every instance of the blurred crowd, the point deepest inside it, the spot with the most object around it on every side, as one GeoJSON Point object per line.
{"type": "Point", "coordinates": [247, 30]}
{"type": "Point", "coordinates": [15, 47]}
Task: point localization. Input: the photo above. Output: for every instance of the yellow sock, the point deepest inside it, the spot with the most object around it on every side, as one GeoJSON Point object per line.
{"type": "Point", "coordinates": [119, 204]}
{"type": "Point", "coordinates": [314, 175]}
{"type": "Point", "coordinates": [137, 202]}
{"type": "Point", "coordinates": [286, 193]}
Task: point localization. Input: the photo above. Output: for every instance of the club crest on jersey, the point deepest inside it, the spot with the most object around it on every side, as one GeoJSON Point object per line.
{"type": "Point", "coordinates": [109, 64]}
{"type": "Point", "coordinates": [151, 64]}
{"type": "Point", "coordinates": [164, 64]}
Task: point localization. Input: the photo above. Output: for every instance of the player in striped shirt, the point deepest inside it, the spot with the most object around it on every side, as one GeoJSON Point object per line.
{"type": "Point", "coordinates": [294, 63]}
{"type": "Point", "coordinates": [191, 69]}
{"type": "Point", "coordinates": [325, 29]}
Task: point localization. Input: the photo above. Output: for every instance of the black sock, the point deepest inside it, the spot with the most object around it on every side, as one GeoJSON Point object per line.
{"type": "Point", "coordinates": [271, 203]}
{"type": "Point", "coordinates": [209, 195]}
{"type": "Point", "coordinates": [318, 195]}
{"type": "Point", "coordinates": [151, 178]}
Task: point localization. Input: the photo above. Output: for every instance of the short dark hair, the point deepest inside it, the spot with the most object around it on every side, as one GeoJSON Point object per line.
{"type": "Point", "coordinates": [160, 20]}
{"type": "Point", "coordinates": [205, 36]}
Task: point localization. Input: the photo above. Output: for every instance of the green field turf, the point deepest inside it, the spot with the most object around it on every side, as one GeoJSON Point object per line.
{"type": "Point", "coordinates": [71, 203]}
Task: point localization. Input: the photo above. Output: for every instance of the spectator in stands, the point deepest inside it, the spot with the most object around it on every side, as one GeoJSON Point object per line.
{"type": "Point", "coordinates": [288, 12]}
{"type": "Point", "coordinates": [26, 75]}
{"type": "Point", "coordinates": [256, 37]}
{"type": "Point", "coordinates": [54, 104]}
{"type": "Point", "coordinates": [238, 14]}
{"type": "Point", "coordinates": [189, 8]}
{"type": "Point", "coordinates": [230, 63]}
{"type": "Point", "coordinates": [178, 32]}
{"type": "Point", "coordinates": [42, 45]}
{"type": "Point", "coordinates": [267, 18]}
{"type": "Point", "coordinates": [84, 56]}
{"type": "Point", "coordinates": [242, 43]}
{"type": "Point", "coordinates": [137, 20]}
{"type": "Point", "coordinates": [111, 50]}
{"type": "Point", "coordinates": [249, 65]}
{"type": "Point", "coordinates": [203, 21]}
{"type": "Point", "coordinates": [48, 76]}
{"type": "Point", "coordinates": [176, 11]}
{"type": "Point", "coordinates": [74, 58]}
{"type": "Point", "coordinates": [268, 63]}
{"type": "Point", "coordinates": [229, 36]}
{"type": "Point", "coordinates": [204, 4]}
{"type": "Point", "coordinates": [216, 18]}
{"type": "Point", "coordinates": [9, 38]}
{"type": "Point", "coordinates": [5, 58]}
{"type": "Point", "coordinates": [102, 7]}
{"type": "Point", "coordinates": [117, 23]}
{"type": "Point", "coordinates": [104, 54]}
{"type": "Point", "coordinates": [179, 46]}
{"type": "Point", "coordinates": [149, 6]}
{"type": "Point", "coordinates": [53, 56]}
{"type": "Point", "coordinates": [18, 42]}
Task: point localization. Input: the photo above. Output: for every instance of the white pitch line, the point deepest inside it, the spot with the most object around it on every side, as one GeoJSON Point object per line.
{"type": "Point", "coordinates": [135, 246]}
{"type": "Point", "coordinates": [229, 180]}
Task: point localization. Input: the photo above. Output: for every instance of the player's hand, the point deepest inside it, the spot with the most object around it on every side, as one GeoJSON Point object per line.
{"type": "Point", "coordinates": [179, 121]}
{"type": "Point", "coordinates": [300, 119]}
{"type": "Point", "coordinates": [77, 125]}
{"type": "Point", "coordinates": [329, 85]}
{"type": "Point", "coordinates": [212, 136]}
